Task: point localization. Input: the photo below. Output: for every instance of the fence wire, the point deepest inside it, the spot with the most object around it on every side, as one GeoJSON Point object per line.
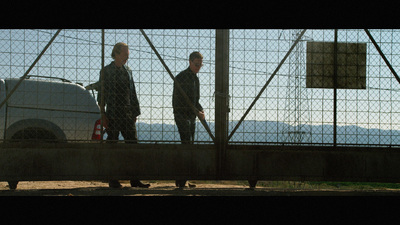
{"type": "Point", "coordinates": [57, 105]}
{"type": "Point", "coordinates": [289, 112]}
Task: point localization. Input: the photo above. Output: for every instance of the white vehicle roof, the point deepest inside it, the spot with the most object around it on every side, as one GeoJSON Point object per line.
{"type": "Point", "coordinates": [51, 95]}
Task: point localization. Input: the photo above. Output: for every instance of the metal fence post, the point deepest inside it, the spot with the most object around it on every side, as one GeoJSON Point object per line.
{"type": "Point", "coordinates": [221, 96]}
{"type": "Point", "coordinates": [102, 84]}
{"type": "Point", "coordinates": [335, 84]}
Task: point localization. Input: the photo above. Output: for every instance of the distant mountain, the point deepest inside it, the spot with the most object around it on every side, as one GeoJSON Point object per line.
{"type": "Point", "coordinates": [273, 131]}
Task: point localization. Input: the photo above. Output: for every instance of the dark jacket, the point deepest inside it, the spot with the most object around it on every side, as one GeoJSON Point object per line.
{"type": "Point", "coordinates": [190, 84]}
{"type": "Point", "coordinates": [119, 92]}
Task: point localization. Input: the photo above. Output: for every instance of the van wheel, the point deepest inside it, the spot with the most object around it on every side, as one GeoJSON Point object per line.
{"type": "Point", "coordinates": [12, 185]}
{"type": "Point", "coordinates": [34, 134]}
{"type": "Point", "coordinates": [31, 135]}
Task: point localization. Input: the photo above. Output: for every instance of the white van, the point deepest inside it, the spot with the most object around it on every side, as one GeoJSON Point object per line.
{"type": "Point", "coordinates": [48, 109]}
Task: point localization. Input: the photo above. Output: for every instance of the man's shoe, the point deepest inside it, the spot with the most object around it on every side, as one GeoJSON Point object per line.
{"type": "Point", "coordinates": [180, 183]}
{"type": "Point", "coordinates": [114, 184]}
{"type": "Point", "coordinates": [137, 183]}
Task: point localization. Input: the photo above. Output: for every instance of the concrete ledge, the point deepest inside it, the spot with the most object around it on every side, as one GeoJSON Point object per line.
{"type": "Point", "coordinates": [88, 161]}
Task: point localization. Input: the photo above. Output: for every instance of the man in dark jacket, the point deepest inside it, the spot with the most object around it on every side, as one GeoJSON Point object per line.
{"type": "Point", "coordinates": [185, 116]}
{"type": "Point", "coordinates": [121, 101]}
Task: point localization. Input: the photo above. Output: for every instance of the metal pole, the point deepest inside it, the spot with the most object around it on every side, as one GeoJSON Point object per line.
{"type": "Point", "coordinates": [30, 68]}
{"type": "Point", "coordinates": [382, 55]}
{"type": "Point", "coordinates": [265, 86]}
{"type": "Point", "coordinates": [102, 84]}
{"type": "Point", "coordinates": [335, 84]}
{"type": "Point", "coordinates": [195, 110]}
{"type": "Point", "coordinates": [221, 96]}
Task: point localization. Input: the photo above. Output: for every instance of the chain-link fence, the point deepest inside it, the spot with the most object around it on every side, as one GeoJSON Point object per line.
{"type": "Point", "coordinates": [75, 57]}
{"type": "Point", "coordinates": [291, 112]}
{"type": "Point", "coordinates": [62, 103]}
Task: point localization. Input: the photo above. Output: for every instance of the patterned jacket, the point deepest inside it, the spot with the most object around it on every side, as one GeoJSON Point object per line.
{"type": "Point", "coordinates": [119, 92]}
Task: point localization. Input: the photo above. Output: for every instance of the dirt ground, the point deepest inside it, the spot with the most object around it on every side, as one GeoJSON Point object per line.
{"type": "Point", "coordinates": [167, 188]}
{"type": "Point", "coordinates": [99, 188]}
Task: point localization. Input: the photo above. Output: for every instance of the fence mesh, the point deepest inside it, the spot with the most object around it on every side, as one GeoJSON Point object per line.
{"type": "Point", "coordinates": [57, 105]}
{"type": "Point", "coordinates": [291, 112]}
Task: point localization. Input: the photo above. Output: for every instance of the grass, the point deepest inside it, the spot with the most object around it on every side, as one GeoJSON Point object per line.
{"type": "Point", "coordinates": [317, 185]}
{"type": "Point", "coordinates": [359, 185]}
{"type": "Point", "coordinates": [311, 185]}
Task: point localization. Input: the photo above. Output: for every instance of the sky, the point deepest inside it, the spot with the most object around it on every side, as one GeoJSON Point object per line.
{"type": "Point", "coordinates": [254, 55]}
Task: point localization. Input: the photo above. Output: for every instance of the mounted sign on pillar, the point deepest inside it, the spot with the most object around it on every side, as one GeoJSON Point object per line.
{"type": "Point", "coordinates": [335, 66]}
{"type": "Point", "coordinates": [351, 65]}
